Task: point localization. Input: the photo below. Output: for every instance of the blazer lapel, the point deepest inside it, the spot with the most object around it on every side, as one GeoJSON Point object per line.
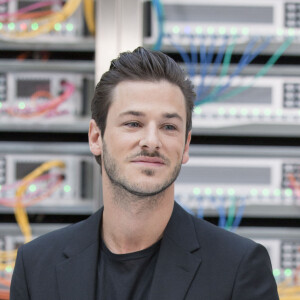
{"type": "Point", "coordinates": [77, 274]}
{"type": "Point", "coordinates": [179, 258]}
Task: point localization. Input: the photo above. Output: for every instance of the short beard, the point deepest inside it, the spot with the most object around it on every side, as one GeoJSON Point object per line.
{"type": "Point", "coordinates": [120, 184]}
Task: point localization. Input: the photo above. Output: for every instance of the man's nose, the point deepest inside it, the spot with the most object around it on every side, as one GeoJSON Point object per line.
{"type": "Point", "coordinates": [150, 139]}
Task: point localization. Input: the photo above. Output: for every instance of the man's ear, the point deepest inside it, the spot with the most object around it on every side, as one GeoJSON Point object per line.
{"type": "Point", "coordinates": [185, 157]}
{"type": "Point", "coordinates": [95, 139]}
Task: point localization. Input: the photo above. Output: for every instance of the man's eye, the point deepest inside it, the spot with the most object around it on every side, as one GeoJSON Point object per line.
{"type": "Point", "coordinates": [170, 127]}
{"type": "Point", "coordinates": [132, 124]}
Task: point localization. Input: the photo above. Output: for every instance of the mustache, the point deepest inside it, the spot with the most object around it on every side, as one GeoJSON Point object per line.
{"type": "Point", "coordinates": [146, 153]}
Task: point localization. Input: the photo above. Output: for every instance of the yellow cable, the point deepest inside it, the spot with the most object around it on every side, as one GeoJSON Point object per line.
{"type": "Point", "coordinates": [68, 9]}
{"type": "Point", "coordinates": [89, 15]}
{"type": "Point", "coordinates": [20, 212]}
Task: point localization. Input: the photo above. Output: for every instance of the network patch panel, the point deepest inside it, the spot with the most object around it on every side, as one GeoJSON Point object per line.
{"type": "Point", "coordinates": [283, 245]}
{"type": "Point", "coordinates": [16, 20]}
{"type": "Point", "coordinates": [11, 239]}
{"type": "Point", "coordinates": [65, 185]}
{"type": "Point", "coordinates": [258, 181]}
{"type": "Point", "coordinates": [243, 19]}
{"type": "Point", "coordinates": [245, 100]}
{"type": "Point", "coordinates": [48, 97]}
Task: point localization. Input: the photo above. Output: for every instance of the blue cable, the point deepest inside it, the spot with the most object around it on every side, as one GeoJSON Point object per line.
{"type": "Point", "coordinates": [207, 60]}
{"type": "Point", "coordinates": [186, 59]}
{"type": "Point", "coordinates": [245, 60]}
{"type": "Point", "coordinates": [239, 214]}
{"type": "Point", "coordinates": [216, 65]}
{"type": "Point", "coordinates": [200, 212]}
{"type": "Point", "coordinates": [222, 213]}
{"type": "Point", "coordinates": [160, 19]}
{"type": "Point", "coordinates": [194, 56]}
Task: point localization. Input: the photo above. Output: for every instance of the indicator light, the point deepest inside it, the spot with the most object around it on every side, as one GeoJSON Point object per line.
{"type": "Point", "coordinates": [176, 29]}
{"type": "Point", "coordinates": [57, 27]}
{"type": "Point", "coordinates": [35, 26]}
{"type": "Point", "coordinates": [11, 26]}
{"type": "Point", "coordinates": [67, 188]}
{"type": "Point", "coordinates": [198, 110]}
{"type": "Point", "coordinates": [196, 191]}
{"type": "Point", "coordinates": [199, 30]}
{"type": "Point", "coordinates": [22, 105]}
{"type": "Point", "coordinates": [32, 188]}
{"type": "Point", "coordinates": [70, 27]}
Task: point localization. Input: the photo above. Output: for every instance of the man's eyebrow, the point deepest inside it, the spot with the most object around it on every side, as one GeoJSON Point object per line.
{"type": "Point", "coordinates": [132, 113]}
{"type": "Point", "coordinates": [172, 115]}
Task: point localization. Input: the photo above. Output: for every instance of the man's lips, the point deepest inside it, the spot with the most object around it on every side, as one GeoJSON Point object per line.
{"type": "Point", "coordinates": [156, 161]}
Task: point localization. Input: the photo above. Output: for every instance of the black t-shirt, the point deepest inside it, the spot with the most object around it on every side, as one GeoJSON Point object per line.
{"type": "Point", "coordinates": [126, 276]}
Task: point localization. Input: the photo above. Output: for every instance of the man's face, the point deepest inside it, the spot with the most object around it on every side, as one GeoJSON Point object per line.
{"type": "Point", "coordinates": [144, 146]}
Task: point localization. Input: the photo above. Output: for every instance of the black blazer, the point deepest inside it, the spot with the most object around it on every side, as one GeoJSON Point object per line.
{"type": "Point", "coordinates": [197, 260]}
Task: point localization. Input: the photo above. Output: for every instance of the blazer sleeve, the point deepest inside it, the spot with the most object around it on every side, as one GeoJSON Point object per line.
{"type": "Point", "coordinates": [18, 288]}
{"type": "Point", "coordinates": [254, 278]}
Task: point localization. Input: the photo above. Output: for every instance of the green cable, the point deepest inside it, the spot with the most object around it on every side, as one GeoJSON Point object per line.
{"type": "Point", "coordinates": [231, 214]}
{"type": "Point", "coordinates": [261, 72]}
{"type": "Point", "coordinates": [224, 70]}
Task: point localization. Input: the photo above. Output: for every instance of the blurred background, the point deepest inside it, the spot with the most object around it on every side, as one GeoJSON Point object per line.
{"type": "Point", "coordinates": [244, 60]}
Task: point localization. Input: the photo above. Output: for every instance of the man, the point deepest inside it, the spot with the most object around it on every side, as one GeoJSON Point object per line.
{"type": "Point", "coordinates": [142, 245]}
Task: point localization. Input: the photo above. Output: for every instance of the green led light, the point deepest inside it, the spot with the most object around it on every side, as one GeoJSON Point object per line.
{"type": "Point", "coordinates": [254, 192]}
{"type": "Point", "coordinates": [221, 111]}
{"type": "Point", "coordinates": [277, 192]}
{"type": "Point", "coordinates": [176, 29]}
{"type": "Point", "coordinates": [255, 112]}
{"type": "Point", "coordinates": [57, 27]}
{"type": "Point", "coordinates": [279, 112]}
{"type": "Point", "coordinates": [267, 112]}
{"type": "Point", "coordinates": [276, 272]}
{"type": "Point", "coordinates": [199, 30]}
{"type": "Point", "coordinates": [11, 26]}
{"type": "Point", "coordinates": [35, 26]}
{"type": "Point", "coordinates": [0, 105]}
{"type": "Point", "coordinates": [22, 105]}
{"type": "Point", "coordinates": [198, 110]}
{"type": "Point", "coordinates": [207, 191]}
{"type": "Point", "coordinates": [220, 192]}
{"type": "Point", "coordinates": [1, 25]}
{"type": "Point", "coordinates": [299, 112]}
{"type": "Point", "coordinates": [196, 191]}
{"type": "Point", "coordinates": [9, 269]}
{"type": "Point", "coordinates": [232, 111]}
{"type": "Point", "coordinates": [222, 30]}
{"type": "Point", "coordinates": [244, 112]}
{"type": "Point", "coordinates": [233, 30]}
{"type": "Point", "coordinates": [288, 272]}
{"type": "Point", "coordinates": [288, 192]}
{"type": "Point", "coordinates": [67, 188]}
{"type": "Point", "coordinates": [70, 27]}
{"type": "Point", "coordinates": [266, 192]}
{"type": "Point", "coordinates": [210, 30]}
{"type": "Point", "coordinates": [280, 31]}
{"type": "Point", "coordinates": [32, 188]}
{"type": "Point", "coordinates": [291, 31]}
{"type": "Point", "coordinates": [231, 192]}
{"type": "Point", "coordinates": [245, 31]}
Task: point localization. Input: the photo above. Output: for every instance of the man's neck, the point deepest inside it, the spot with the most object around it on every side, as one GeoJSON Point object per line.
{"type": "Point", "coordinates": [130, 225]}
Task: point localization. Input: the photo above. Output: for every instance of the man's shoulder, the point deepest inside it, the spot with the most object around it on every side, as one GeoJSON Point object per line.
{"type": "Point", "coordinates": [212, 236]}
{"type": "Point", "coordinates": [57, 240]}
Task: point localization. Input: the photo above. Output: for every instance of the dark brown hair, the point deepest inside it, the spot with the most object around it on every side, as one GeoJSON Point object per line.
{"type": "Point", "coordinates": [140, 65]}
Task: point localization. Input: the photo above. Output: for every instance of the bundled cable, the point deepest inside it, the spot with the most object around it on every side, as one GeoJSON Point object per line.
{"type": "Point", "coordinates": [160, 20]}
{"type": "Point", "coordinates": [89, 15]}
{"type": "Point", "coordinates": [41, 109]}
{"type": "Point", "coordinates": [46, 23]}
{"type": "Point", "coordinates": [7, 258]}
